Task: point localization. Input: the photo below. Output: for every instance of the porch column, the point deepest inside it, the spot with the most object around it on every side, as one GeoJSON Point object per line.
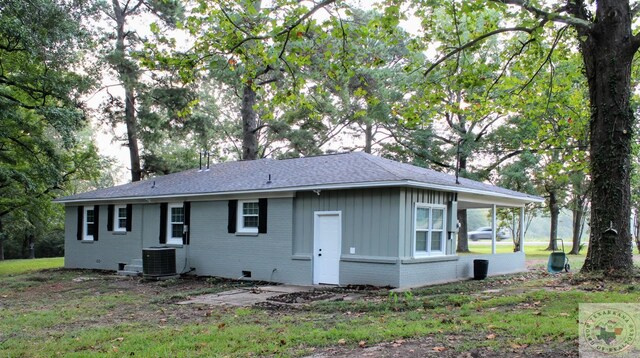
{"type": "Point", "coordinates": [494, 229]}
{"type": "Point", "coordinates": [522, 229]}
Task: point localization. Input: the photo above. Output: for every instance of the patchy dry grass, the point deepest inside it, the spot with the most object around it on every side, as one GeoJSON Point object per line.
{"type": "Point", "coordinates": [60, 312]}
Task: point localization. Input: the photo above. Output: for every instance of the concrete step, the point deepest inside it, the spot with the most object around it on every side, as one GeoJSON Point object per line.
{"type": "Point", "coordinates": [131, 267]}
{"type": "Point", "coordinates": [137, 262]}
{"type": "Point", "coordinates": [129, 273]}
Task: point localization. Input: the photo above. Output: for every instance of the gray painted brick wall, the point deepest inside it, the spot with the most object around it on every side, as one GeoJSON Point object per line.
{"type": "Point", "coordinates": [215, 252]}
{"type": "Point", "coordinates": [111, 247]}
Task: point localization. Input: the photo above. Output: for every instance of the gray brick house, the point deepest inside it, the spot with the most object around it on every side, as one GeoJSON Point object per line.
{"type": "Point", "coordinates": [336, 219]}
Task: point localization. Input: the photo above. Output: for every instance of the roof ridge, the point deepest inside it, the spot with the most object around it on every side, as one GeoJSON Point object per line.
{"type": "Point", "coordinates": [370, 157]}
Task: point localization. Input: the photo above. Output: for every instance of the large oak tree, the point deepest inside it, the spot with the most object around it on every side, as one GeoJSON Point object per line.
{"type": "Point", "coordinates": [607, 45]}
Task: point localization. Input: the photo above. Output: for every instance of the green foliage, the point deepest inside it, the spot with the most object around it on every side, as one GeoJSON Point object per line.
{"type": "Point", "coordinates": [41, 154]}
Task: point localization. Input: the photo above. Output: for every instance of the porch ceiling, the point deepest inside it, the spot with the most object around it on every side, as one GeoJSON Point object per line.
{"type": "Point", "coordinates": [474, 201]}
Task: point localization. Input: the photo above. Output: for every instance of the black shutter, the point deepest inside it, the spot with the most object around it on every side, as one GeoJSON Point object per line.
{"type": "Point", "coordinates": [163, 223]}
{"type": "Point", "coordinates": [129, 216]}
{"type": "Point", "coordinates": [96, 222]}
{"type": "Point", "coordinates": [233, 216]}
{"type": "Point", "coordinates": [262, 216]}
{"type": "Point", "coordinates": [186, 233]}
{"type": "Point", "coordinates": [80, 222]}
{"type": "Point", "coordinates": [110, 217]}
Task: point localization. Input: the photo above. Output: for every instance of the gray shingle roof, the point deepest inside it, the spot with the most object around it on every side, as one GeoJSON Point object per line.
{"type": "Point", "coordinates": [355, 169]}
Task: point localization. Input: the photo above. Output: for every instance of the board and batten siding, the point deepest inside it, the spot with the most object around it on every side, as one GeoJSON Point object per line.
{"type": "Point", "coordinates": [408, 198]}
{"type": "Point", "coordinates": [369, 220]}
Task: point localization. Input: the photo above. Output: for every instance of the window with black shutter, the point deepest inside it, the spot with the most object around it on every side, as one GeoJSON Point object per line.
{"type": "Point", "coordinates": [247, 216]}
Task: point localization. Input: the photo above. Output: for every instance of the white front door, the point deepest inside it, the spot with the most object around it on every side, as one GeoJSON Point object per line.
{"type": "Point", "coordinates": [327, 238]}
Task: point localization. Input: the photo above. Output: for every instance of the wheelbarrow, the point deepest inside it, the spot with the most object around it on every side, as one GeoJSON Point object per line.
{"type": "Point", "coordinates": [558, 260]}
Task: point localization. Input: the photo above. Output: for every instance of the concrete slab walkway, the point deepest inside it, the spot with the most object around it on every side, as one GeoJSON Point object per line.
{"type": "Point", "coordinates": [246, 296]}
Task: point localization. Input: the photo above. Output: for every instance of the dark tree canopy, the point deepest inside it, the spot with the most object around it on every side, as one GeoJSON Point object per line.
{"type": "Point", "coordinates": [40, 110]}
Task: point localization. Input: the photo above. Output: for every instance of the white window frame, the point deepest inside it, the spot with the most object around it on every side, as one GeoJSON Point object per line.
{"type": "Point", "coordinates": [170, 239]}
{"type": "Point", "coordinates": [240, 228]}
{"type": "Point", "coordinates": [117, 217]}
{"type": "Point", "coordinates": [429, 230]}
{"type": "Point", "coordinates": [85, 227]}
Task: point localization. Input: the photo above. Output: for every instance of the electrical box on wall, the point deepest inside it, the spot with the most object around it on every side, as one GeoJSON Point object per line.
{"type": "Point", "coordinates": [452, 216]}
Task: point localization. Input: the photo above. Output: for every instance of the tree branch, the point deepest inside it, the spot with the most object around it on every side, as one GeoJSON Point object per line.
{"type": "Point", "coordinates": [635, 8]}
{"type": "Point", "coordinates": [506, 65]}
{"type": "Point", "coordinates": [501, 160]}
{"type": "Point", "coordinates": [233, 23]}
{"type": "Point", "coordinates": [551, 16]}
{"type": "Point", "coordinates": [16, 101]}
{"type": "Point", "coordinates": [484, 129]}
{"type": "Point", "coordinates": [286, 30]}
{"type": "Point", "coordinates": [474, 42]}
{"type": "Point", "coordinates": [547, 59]}
{"type": "Point", "coordinates": [318, 6]}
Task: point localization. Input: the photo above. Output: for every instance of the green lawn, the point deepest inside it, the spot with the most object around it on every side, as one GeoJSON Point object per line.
{"type": "Point", "coordinates": [12, 267]}
{"type": "Point", "coordinates": [87, 313]}
{"type": "Point", "coordinates": [533, 252]}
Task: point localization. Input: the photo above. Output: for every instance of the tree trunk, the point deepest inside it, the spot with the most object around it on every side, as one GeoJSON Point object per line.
{"type": "Point", "coordinates": [132, 134]}
{"type": "Point", "coordinates": [128, 76]}
{"type": "Point", "coordinates": [249, 123]}
{"type": "Point", "coordinates": [637, 234]}
{"type": "Point", "coordinates": [368, 137]}
{"type": "Point", "coordinates": [31, 241]}
{"type": "Point", "coordinates": [608, 51]}
{"type": "Point", "coordinates": [463, 240]}
{"type": "Point", "coordinates": [554, 209]}
{"type": "Point", "coordinates": [578, 217]}
{"type": "Point", "coordinates": [1, 241]}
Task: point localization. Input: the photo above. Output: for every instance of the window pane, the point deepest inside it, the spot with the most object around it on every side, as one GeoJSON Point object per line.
{"type": "Point", "coordinates": [436, 241]}
{"type": "Point", "coordinates": [438, 219]}
{"type": "Point", "coordinates": [122, 212]}
{"type": "Point", "coordinates": [122, 223]}
{"type": "Point", "coordinates": [177, 215]}
{"type": "Point", "coordinates": [90, 216]}
{"type": "Point", "coordinates": [421, 241]}
{"type": "Point", "coordinates": [249, 208]}
{"type": "Point", "coordinates": [176, 230]}
{"type": "Point", "coordinates": [422, 218]}
{"type": "Point", "coordinates": [90, 229]}
{"type": "Point", "coordinates": [250, 221]}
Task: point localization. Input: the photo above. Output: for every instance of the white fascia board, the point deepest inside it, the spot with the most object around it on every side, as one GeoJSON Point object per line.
{"type": "Point", "coordinates": [487, 195]}
{"type": "Point", "coordinates": [184, 197]}
{"type": "Point", "coordinates": [287, 192]}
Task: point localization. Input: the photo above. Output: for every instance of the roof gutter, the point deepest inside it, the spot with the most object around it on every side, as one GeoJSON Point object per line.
{"type": "Point", "coordinates": [284, 190]}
